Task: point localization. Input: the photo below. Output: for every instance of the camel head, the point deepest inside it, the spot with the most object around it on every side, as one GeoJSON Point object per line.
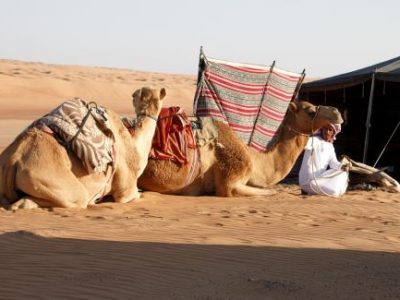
{"type": "Point", "coordinates": [308, 118]}
{"type": "Point", "coordinates": [147, 102]}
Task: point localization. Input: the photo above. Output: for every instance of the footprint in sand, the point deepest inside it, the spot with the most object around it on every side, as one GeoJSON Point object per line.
{"type": "Point", "coordinates": [387, 223]}
{"type": "Point", "coordinates": [226, 214]}
{"type": "Point", "coordinates": [143, 209]}
{"type": "Point", "coordinates": [61, 212]}
{"type": "Point", "coordinates": [107, 218]}
{"type": "Point", "coordinates": [309, 222]}
{"type": "Point", "coordinates": [148, 215]}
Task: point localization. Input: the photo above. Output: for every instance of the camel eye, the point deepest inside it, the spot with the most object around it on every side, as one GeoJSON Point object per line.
{"type": "Point", "coordinates": [311, 112]}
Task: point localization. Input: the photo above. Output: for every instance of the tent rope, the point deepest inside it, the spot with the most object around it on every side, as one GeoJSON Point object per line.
{"type": "Point", "coordinates": [387, 143]}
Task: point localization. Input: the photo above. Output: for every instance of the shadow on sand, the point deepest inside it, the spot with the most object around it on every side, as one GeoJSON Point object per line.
{"type": "Point", "coordinates": [34, 267]}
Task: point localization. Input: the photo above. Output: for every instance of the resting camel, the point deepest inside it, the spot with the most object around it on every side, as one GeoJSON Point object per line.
{"type": "Point", "coordinates": [229, 167]}
{"type": "Point", "coordinates": [35, 170]}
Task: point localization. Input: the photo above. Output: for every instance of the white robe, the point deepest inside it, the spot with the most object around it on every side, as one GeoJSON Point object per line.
{"type": "Point", "coordinates": [314, 177]}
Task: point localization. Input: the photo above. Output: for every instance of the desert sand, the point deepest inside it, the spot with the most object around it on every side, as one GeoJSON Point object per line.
{"type": "Point", "coordinates": [286, 246]}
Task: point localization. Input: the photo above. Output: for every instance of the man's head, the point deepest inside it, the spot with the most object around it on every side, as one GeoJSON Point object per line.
{"type": "Point", "coordinates": [329, 132]}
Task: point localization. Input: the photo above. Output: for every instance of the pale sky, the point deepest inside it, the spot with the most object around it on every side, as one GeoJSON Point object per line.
{"type": "Point", "coordinates": [324, 37]}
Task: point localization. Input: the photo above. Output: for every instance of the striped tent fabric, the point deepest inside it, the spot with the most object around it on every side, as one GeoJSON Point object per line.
{"type": "Point", "coordinates": [252, 99]}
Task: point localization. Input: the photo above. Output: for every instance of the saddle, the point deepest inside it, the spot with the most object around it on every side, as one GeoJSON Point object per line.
{"type": "Point", "coordinates": [82, 128]}
{"type": "Point", "coordinates": [176, 133]}
{"type": "Point", "coordinates": [173, 136]}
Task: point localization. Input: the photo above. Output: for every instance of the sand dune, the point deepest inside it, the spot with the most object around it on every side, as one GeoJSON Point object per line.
{"type": "Point", "coordinates": [286, 246]}
{"type": "Point", "coordinates": [29, 90]}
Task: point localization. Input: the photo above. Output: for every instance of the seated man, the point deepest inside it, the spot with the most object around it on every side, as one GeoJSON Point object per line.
{"type": "Point", "coordinates": [315, 178]}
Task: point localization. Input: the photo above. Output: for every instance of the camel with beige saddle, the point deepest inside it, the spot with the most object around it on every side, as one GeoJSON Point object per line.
{"type": "Point", "coordinates": [229, 167]}
{"type": "Point", "coordinates": [36, 170]}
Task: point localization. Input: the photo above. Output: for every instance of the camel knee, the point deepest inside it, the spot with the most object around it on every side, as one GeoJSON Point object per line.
{"type": "Point", "coordinates": [79, 200]}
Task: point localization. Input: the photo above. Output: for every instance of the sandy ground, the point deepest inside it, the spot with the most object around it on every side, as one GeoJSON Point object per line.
{"type": "Point", "coordinates": [286, 246]}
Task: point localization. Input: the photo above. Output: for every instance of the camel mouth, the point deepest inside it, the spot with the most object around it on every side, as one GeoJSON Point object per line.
{"type": "Point", "coordinates": [339, 120]}
{"type": "Point", "coordinates": [331, 114]}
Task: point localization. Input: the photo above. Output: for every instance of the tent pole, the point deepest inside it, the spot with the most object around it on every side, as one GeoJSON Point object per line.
{"type": "Point", "coordinates": [298, 86]}
{"type": "Point", "coordinates": [368, 121]}
{"type": "Point", "coordinates": [199, 79]}
{"type": "Point", "coordinates": [200, 70]}
{"type": "Point", "coordinates": [262, 100]}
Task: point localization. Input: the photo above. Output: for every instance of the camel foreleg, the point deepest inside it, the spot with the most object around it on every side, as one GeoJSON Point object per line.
{"type": "Point", "coordinates": [29, 202]}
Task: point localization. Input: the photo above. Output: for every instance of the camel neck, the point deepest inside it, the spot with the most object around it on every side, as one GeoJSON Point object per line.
{"type": "Point", "coordinates": [273, 165]}
{"type": "Point", "coordinates": [144, 133]}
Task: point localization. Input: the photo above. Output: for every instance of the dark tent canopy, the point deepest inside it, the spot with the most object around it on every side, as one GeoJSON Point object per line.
{"type": "Point", "coordinates": [388, 70]}
{"type": "Point", "coordinates": [369, 99]}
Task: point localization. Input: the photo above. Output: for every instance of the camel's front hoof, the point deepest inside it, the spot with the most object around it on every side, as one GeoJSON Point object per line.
{"type": "Point", "coordinates": [24, 204]}
{"type": "Point", "coordinates": [133, 197]}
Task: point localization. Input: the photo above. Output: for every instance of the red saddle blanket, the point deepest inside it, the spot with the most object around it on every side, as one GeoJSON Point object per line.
{"type": "Point", "coordinates": [173, 136]}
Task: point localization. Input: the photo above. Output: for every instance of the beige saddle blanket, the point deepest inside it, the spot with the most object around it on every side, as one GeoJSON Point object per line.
{"type": "Point", "coordinates": [84, 129]}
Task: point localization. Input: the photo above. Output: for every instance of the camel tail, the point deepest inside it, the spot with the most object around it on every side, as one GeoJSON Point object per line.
{"type": "Point", "coordinates": [245, 190]}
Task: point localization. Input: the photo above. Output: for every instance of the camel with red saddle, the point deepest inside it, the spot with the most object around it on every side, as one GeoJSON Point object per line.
{"type": "Point", "coordinates": [229, 167]}
{"type": "Point", "coordinates": [36, 170]}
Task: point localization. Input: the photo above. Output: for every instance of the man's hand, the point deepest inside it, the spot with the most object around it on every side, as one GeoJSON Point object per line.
{"type": "Point", "coordinates": [346, 166]}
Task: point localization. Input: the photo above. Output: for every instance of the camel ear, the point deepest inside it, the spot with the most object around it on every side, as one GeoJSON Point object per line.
{"type": "Point", "coordinates": [293, 106]}
{"type": "Point", "coordinates": [162, 93]}
{"type": "Point", "coordinates": [137, 93]}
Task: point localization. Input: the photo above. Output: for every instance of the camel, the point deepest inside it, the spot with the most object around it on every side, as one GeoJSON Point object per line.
{"type": "Point", "coordinates": [37, 171]}
{"type": "Point", "coordinates": [228, 167]}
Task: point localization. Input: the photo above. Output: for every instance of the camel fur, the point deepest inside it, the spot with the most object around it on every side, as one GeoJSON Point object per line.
{"type": "Point", "coordinates": [229, 167]}
{"type": "Point", "coordinates": [35, 170]}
